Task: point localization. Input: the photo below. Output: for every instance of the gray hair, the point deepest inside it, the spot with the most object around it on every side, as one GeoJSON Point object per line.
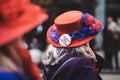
{"type": "Point", "coordinates": [54, 54]}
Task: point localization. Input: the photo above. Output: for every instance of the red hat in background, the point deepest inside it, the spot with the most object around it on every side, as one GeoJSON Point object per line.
{"type": "Point", "coordinates": [18, 17]}
{"type": "Point", "coordinates": [72, 29]}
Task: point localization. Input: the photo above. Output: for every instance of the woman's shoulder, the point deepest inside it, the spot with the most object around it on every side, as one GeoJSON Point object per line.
{"type": "Point", "coordinates": [79, 61]}
{"type": "Point", "coordinates": [76, 68]}
{"type": "Point", "coordinates": [76, 63]}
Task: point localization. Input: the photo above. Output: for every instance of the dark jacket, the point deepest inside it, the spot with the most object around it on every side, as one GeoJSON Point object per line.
{"type": "Point", "coordinates": [110, 42]}
{"type": "Point", "coordinates": [72, 68]}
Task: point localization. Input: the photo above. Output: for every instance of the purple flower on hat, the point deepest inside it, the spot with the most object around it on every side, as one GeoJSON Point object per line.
{"type": "Point", "coordinates": [55, 35]}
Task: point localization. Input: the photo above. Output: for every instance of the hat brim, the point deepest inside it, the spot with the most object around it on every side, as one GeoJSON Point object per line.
{"type": "Point", "coordinates": [33, 16]}
{"type": "Point", "coordinates": [74, 43]}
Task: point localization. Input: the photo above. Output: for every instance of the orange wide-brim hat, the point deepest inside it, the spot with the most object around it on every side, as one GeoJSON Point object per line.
{"type": "Point", "coordinates": [72, 29]}
{"type": "Point", "coordinates": [18, 17]}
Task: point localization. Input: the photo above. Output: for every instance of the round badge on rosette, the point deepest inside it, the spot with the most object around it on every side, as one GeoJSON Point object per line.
{"type": "Point", "coordinates": [65, 40]}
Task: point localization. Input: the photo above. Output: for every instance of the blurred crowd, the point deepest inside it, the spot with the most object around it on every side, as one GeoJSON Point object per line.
{"type": "Point", "coordinates": [111, 44]}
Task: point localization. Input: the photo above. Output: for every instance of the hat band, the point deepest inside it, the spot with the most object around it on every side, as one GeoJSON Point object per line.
{"type": "Point", "coordinates": [75, 35]}
{"type": "Point", "coordinates": [81, 35]}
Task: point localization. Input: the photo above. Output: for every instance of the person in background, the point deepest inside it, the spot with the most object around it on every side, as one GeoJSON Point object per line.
{"type": "Point", "coordinates": [34, 44]}
{"type": "Point", "coordinates": [17, 17]}
{"type": "Point", "coordinates": [36, 38]}
{"type": "Point", "coordinates": [111, 47]}
{"type": "Point", "coordinates": [69, 56]}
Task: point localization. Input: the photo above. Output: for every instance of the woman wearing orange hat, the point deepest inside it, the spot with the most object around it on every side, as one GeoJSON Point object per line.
{"type": "Point", "coordinates": [69, 56]}
{"type": "Point", "coordinates": [18, 17]}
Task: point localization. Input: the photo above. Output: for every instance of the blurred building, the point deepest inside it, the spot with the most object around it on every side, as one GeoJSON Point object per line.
{"type": "Point", "coordinates": [56, 7]}
{"type": "Point", "coordinates": [113, 8]}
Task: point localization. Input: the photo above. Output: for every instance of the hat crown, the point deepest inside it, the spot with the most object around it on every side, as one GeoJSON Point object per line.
{"type": "Point", "coordinates": [68, 22]}
{"type": "Point", "coordinates": [11, 9]}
